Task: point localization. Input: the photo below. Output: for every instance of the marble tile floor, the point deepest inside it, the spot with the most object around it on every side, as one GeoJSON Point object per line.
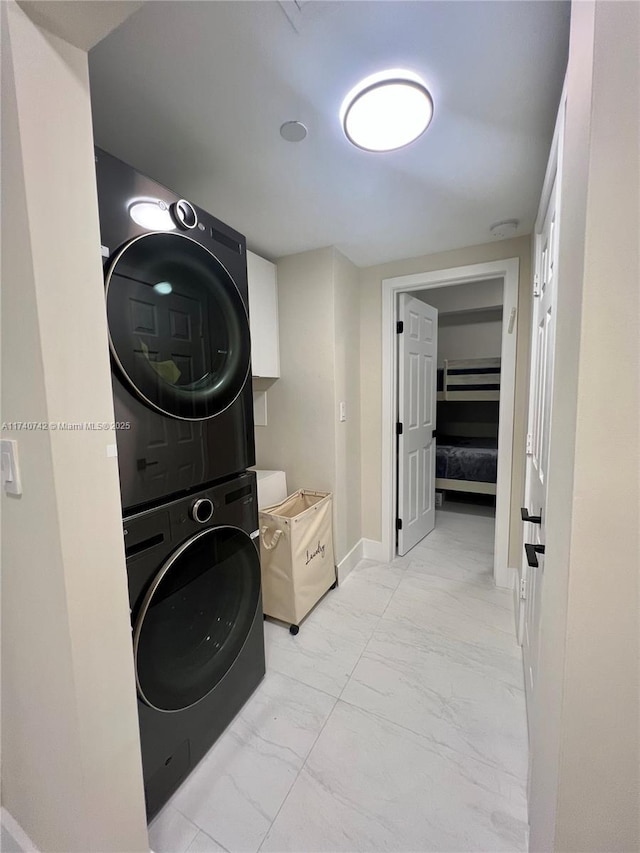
{"type": "Point", "coordinates": [394, 721]}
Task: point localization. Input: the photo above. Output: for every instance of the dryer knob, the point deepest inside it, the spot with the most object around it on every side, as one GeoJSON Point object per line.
{"type": "Point", "coordinates": [184, 214]}
{"type": "Point", "coordinates": [201, 510]}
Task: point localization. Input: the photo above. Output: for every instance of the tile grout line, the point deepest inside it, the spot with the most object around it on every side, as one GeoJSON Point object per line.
{"type": "Point", "coordinates": [373, 630]}
{"type": "Point", "coordinates": [329, 715]}
{"type": "Point", "coordinates": [199, 828]}
{"type": "Point", "coordinates": [380, 716]}
{"type": "Point", "coordinates": [301, 768]}
{"type": "Point", "coordinates": [309, 687]}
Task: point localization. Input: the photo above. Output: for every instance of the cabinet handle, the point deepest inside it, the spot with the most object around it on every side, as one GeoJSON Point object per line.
{"type": "Point", "coordinates": [534, 519]}
{"type": "Point", "coordinates": [532, 554]}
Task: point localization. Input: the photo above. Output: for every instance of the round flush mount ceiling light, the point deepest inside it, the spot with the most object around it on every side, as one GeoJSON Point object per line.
{"type": "Point", "coordinates": [386, 111]}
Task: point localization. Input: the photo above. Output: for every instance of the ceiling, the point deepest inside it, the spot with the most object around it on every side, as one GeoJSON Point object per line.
{"type": "Point", "coordinates": [194, 93]}
{"type": "Point", "coordinates": [81, 22]}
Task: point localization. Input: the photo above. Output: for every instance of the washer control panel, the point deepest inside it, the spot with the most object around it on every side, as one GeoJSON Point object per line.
{"type": "Point", "coordinates": [201, 510]}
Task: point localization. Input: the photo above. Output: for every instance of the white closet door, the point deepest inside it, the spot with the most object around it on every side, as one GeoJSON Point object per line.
{"type": "Point", "coordinates": [543, 342]}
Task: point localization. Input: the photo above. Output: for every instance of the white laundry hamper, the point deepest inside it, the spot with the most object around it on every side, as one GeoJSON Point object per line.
{"type": "Point", "coordinates": [296, 555]}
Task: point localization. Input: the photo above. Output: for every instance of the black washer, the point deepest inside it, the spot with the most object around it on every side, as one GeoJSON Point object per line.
{"type": "Point", "coordinates": [195, 618]}
{"type": "Point", "coordinates": [194, 593]}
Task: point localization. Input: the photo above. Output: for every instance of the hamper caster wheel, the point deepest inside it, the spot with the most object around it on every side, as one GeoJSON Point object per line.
{"type": "Point", "coordinates": [293, 629]}
{"type": "Point", "coordinates": [334, 585]}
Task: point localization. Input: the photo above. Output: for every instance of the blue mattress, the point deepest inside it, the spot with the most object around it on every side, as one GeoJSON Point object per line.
{"type": "Point", "coordinates": [467, 458]}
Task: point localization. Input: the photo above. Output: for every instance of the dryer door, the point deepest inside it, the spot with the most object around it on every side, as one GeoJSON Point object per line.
{"type": "Point", "coordinates": [178, 327]}
{"type": "Point", "coordinates": [195, 618]}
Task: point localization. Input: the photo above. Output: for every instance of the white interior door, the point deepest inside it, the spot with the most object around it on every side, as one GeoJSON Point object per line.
{"type": "Point", "coordinates": [417, 359]}
{"type": "Point", "coordinates": [543, 340]}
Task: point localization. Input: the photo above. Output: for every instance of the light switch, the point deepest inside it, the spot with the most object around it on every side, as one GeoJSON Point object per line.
{"type": "Point", "coordinates": [10, 467]}
{"type": "Point", "coordinates": [343, 411]}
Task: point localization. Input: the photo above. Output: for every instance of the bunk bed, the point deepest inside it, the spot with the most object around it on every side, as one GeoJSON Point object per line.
{"type": "Point", "coordinates": [469, 379]}
{"type": "Point", "coordinates": [467, 447]}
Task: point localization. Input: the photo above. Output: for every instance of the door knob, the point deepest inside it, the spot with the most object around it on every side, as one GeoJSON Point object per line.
{"type": "Point", "coordinates": [532, 554]}
{"type": "Point", "coordinates": [534, 519]}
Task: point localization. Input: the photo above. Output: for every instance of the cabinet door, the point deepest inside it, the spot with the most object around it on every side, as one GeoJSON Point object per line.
{"type": "Point", "coordinates": [263, 316]}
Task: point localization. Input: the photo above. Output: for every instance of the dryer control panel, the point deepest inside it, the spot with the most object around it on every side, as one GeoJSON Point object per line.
{"type": "Point", "coordinates": [151, 536]}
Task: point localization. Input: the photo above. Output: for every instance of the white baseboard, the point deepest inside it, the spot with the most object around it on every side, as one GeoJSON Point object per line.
{"type": "Point", "coordinates": [348, 563]}
{"type": "Point", "coordinates": [16, 833]}
{"type": "Point", "coordinates": [373, 550]}
{"type": "Point", "coordinates": [506, 577]}
{"type": "Point", "coordinates": [365, 549]}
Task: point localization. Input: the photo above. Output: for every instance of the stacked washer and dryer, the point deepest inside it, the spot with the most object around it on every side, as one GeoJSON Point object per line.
{"type": "Point", "coordinates": [177, 311]}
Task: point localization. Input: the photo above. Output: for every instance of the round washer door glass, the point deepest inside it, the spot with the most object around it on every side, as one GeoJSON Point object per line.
{"type": "Point", "coordinates": [178, 327]}
{"type": "Point", "coordinates": [195, 618]}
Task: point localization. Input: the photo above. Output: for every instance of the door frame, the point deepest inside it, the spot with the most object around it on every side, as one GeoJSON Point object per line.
{"type": "Point", "coordinates": [508, 270]}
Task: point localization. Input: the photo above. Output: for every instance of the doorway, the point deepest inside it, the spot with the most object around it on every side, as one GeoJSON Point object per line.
{"type": "Point", "coordinates": [507, 271]}
{"type": "Point", "coordinates": [464, 399]}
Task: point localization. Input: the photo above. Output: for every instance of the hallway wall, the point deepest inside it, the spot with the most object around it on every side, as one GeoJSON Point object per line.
{"type": "Point", "coordinates": [71, 768]}
{"type": "Point", "coordinates": [585, 786]}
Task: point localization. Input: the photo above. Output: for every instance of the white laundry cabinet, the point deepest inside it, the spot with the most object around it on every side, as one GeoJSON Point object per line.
{"type": "Point", "coordinates": [263, 317]}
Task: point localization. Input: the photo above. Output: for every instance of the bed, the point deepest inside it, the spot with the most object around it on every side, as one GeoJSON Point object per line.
{"type": "Point", "coordinates": [467, 428]}
{"type": "Point", "coordinates": [469, 379]}
{"type": "Point", "coordinates": [465, 464]}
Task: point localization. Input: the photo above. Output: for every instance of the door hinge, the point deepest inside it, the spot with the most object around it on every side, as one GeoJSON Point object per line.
{"type": "Point", "coordinates": [399, 429]}
{"type": "Point", "coordinates": [398, 524]}
{"type": "Point", "coordinates": [529, 444]}
{"type": "Point", "coordinates": [523, 589]}
{"type": "Point", "coordinates": [536, 285]}
{"type": "Point", "coordinates": [400, 327]}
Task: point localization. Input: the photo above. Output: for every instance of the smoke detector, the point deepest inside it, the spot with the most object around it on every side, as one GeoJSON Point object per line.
{"type": "Point", "coordinates": [506, 228]}
{"type": "Point", "coordinates": [293, 131]}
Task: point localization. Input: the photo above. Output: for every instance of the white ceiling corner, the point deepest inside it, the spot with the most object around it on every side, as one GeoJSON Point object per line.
{"type": "Point", "coordinates": [82, 23]}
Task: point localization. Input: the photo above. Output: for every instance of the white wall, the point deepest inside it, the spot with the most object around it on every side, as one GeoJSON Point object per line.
{"type": "Point", "coordinates": [71, 770]}
{"type": "Point", "coordinates": [585, 791]}
{"type": "Point", "coordinates": [300, 435]}
{"type": "Point", "coordinates": [464, 297]}
{"type": "Point", "coordinates": [477, 334]}
{"type": "Point", "coordinates": [469, 319]}
{"type": "Point", "coordinates": [347, 389]}
{"type": "Point", "coordinates": [371, 372]}
{"type": "Point", "coordinates": [318, 302]}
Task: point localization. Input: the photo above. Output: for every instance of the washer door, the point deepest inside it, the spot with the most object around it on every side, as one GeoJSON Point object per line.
{"type": "Point", "coordinates": [196, 617]}
{"type": "Point", "coordinates": [178, 328]}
